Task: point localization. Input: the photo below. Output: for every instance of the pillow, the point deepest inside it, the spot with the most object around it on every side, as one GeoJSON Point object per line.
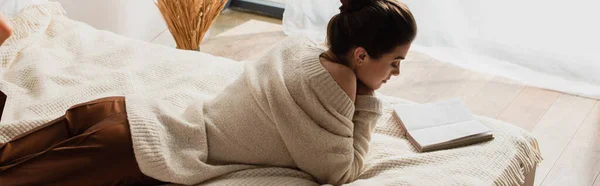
{"type": "Point", "coordinates": [11, 8]}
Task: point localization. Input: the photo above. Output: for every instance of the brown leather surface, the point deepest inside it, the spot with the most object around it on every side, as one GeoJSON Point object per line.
{"type": "Point", "coordinates": [89, 145]}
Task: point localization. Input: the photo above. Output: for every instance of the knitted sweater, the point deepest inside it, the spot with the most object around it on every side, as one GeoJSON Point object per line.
{"type": "Point", "coordinates": [286, 110]}
{"type": "Point", "coordinates": [52, 63]}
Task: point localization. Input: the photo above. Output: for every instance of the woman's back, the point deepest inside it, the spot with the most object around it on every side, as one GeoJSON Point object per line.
{"type": "Point", "coordinates": [287, 110]}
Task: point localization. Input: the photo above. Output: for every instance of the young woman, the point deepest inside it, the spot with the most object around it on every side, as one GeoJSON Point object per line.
{"type": "Point", "coordinates": [299, 107]}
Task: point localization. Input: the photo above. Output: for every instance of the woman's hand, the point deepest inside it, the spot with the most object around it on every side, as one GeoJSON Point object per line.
{"type": "Point", "coordinates": [362, 89]}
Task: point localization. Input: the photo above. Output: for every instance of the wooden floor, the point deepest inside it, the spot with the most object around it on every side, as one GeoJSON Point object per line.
{"type": "Point", "coordinates": [567, 127]}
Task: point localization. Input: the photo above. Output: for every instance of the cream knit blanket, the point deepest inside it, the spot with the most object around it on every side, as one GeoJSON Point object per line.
{"type": "Point", "coordinates": [52, 63]}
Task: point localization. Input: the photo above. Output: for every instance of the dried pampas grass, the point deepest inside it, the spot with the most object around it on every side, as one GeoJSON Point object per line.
{"type": "Point", "coordinates": [189, 20]}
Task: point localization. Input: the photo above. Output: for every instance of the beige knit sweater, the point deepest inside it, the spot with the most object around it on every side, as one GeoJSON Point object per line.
{"type": "Point", "coordinates": [53, 62]}
{"type": "Point", "coordinates": [286, 110]}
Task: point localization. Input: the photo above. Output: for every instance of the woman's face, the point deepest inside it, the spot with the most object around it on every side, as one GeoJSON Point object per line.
{"type": "Point", "coordinates": [375, 72]}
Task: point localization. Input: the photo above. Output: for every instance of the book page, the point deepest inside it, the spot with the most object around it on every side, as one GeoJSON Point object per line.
{"type": "Point", "coordinates": [432, 114]}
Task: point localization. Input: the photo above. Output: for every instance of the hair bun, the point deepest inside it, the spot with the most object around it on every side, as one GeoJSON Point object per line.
{"type": "Point", "coordinates": [354, 5]}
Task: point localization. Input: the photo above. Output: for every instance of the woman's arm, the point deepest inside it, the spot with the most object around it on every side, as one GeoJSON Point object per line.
{"type": "Point", "coordinates": [367, 111]}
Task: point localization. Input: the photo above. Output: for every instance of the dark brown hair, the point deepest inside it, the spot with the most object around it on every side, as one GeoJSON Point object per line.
{"type": "Point", "coordinates": [379, 26]}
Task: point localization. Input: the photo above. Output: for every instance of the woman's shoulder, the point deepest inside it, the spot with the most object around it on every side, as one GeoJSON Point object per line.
{"type": "Point", "coordinates": [343, 76]}
{"type": "Point", "coordinates": [297, 43]}
{"type": "Point", "coordinates": [333, 84]}
{"type": "Point", "coordinates": [291, 49]}
{"type": "Point", "coordinates": [316, 69]}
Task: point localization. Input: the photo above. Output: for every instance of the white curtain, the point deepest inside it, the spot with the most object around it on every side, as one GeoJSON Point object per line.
{"type": "Point", "coordinates": [11, 8]}
{"type": "Point", "coordinates": [309, 17]}
{"type": "Point", "coordinates": [545, 43]}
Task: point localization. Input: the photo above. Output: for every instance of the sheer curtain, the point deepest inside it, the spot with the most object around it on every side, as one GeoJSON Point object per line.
{"type": "Point", "coordinates": [11, 8]}
{"type": "Point", "coordinates": [545, 43]}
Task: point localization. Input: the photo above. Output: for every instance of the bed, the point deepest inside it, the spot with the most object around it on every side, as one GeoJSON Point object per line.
{"type": "Point", "coordinates": [53, 62]}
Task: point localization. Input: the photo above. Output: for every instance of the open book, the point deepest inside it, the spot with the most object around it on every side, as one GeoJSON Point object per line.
{"type": "Point", "coordinates": [441, 125]}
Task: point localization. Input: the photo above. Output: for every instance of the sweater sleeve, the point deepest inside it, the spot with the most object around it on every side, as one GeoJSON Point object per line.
{"type": "Point", "coordinates": [338, 169]}
{"type": "Point", "coordinates": [368, 109]}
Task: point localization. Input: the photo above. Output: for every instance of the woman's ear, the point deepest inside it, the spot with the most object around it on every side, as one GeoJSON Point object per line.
{"type": "Point", "coordinates": [359, 55]}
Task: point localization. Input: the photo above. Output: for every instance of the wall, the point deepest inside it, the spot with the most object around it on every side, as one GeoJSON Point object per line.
{"type": "Point", "coordinates": [139, 19]}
